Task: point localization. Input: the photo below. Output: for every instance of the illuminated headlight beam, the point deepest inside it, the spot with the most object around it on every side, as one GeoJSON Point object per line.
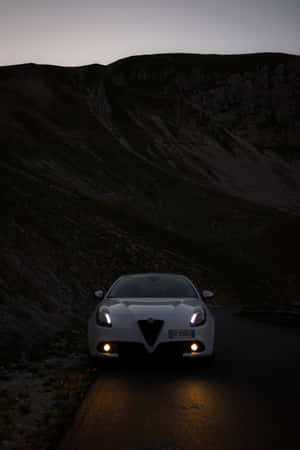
{"type": "Point", "coordinates": [106, 348]}
{"type": "Point", "coordinates": [194, 347]}
{"type": "Point", "coordinates": [108, 318]}
{"type": "Point", "coordinates": [193, 318]}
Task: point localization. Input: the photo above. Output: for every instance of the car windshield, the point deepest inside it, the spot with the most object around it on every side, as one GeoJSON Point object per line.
{"type": "Point", "coordinates": [161, 286]}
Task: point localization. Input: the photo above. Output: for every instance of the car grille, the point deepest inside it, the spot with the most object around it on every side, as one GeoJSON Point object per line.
{"type": "Point", "coordinates": [132, 350]}
{"type": "Point", "coordinates": [150, 329]}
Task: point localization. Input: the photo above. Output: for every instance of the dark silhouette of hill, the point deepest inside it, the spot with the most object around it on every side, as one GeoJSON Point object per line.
{"type": "Point", "coordinates": [186, 163]}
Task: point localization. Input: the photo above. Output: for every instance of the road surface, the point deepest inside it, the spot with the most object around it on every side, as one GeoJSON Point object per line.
{"type": "Point", "coordinates": [250, 399]}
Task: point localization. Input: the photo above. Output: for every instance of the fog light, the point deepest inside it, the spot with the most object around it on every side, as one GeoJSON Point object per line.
{"type": "Point", "coordinates": [106, 348]}
{"type": "Point", "coordinates": [194, 347]}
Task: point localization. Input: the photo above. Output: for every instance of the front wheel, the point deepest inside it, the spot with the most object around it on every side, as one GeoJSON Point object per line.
{"type": "Point", "coordinates": [93, 362]}
{"type": "Point", "coordinates": [208, 361]}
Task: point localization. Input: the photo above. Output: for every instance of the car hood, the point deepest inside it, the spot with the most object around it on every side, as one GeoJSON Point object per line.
{"type": "Point", "coordinates": [144, 308]}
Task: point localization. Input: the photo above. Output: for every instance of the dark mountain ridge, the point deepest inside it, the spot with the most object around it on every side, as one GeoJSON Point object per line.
{"type": "Point", "coordinates": [186, 163]}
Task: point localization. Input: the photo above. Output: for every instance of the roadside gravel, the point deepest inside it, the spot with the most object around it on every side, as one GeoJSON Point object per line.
{"type": "Point", "coordinates": [38, 399]}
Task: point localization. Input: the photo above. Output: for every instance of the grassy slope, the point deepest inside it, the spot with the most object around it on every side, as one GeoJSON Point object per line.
{"type": "Point", "coordinates": [88, 194]}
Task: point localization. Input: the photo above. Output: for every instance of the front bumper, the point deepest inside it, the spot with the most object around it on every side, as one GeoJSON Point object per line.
{"type": "Point", "coordinates": [175, 349]}
{"type": "Point", "coordinates": [129, 341]}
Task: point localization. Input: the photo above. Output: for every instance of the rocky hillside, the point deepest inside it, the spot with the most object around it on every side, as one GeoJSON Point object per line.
{"type": "Point", "coordinates": [228, 122]}
{"type": "Point", "coordinates": [183, 163]}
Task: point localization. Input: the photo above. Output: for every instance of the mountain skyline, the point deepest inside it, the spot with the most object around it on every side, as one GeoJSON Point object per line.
{"type": "Point", "coordinates": [75, 33]}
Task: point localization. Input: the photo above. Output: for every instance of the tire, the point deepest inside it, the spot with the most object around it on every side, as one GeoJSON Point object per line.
{"type": "Point", "coordinates": [93, 362]}
{"type": "Point", "coordinates": [208, 361]}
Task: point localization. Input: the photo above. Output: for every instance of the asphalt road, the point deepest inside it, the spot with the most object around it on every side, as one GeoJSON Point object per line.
{"type": "Point", "coordinates": [250, 399]}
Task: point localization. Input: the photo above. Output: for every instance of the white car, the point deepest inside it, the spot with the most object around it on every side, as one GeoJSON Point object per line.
{"type": "Point", "coordinates": [151, 314]}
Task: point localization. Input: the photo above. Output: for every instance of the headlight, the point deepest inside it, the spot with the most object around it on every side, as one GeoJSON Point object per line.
{"type": "Point", "coordinates": [198, 318]}
{"type": "Point", "coordinates": [103, 319]}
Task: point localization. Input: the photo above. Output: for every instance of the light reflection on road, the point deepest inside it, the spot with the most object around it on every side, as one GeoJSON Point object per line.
{"type": "Point", "coordinates": [244, 402]}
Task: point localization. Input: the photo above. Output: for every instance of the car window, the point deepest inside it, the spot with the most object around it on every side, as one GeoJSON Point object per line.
{"type": "Point", "coordinates": [152, 286]}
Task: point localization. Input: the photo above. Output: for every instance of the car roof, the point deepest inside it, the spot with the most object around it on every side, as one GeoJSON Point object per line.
{"type": "Point", "coordinates": [151, 274]}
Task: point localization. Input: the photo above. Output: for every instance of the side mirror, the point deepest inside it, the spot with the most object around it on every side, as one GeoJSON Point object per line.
{"type": "Point", "coordinates": [99, 294]}
{"type": "Point", "coordinates": [207, 294]}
